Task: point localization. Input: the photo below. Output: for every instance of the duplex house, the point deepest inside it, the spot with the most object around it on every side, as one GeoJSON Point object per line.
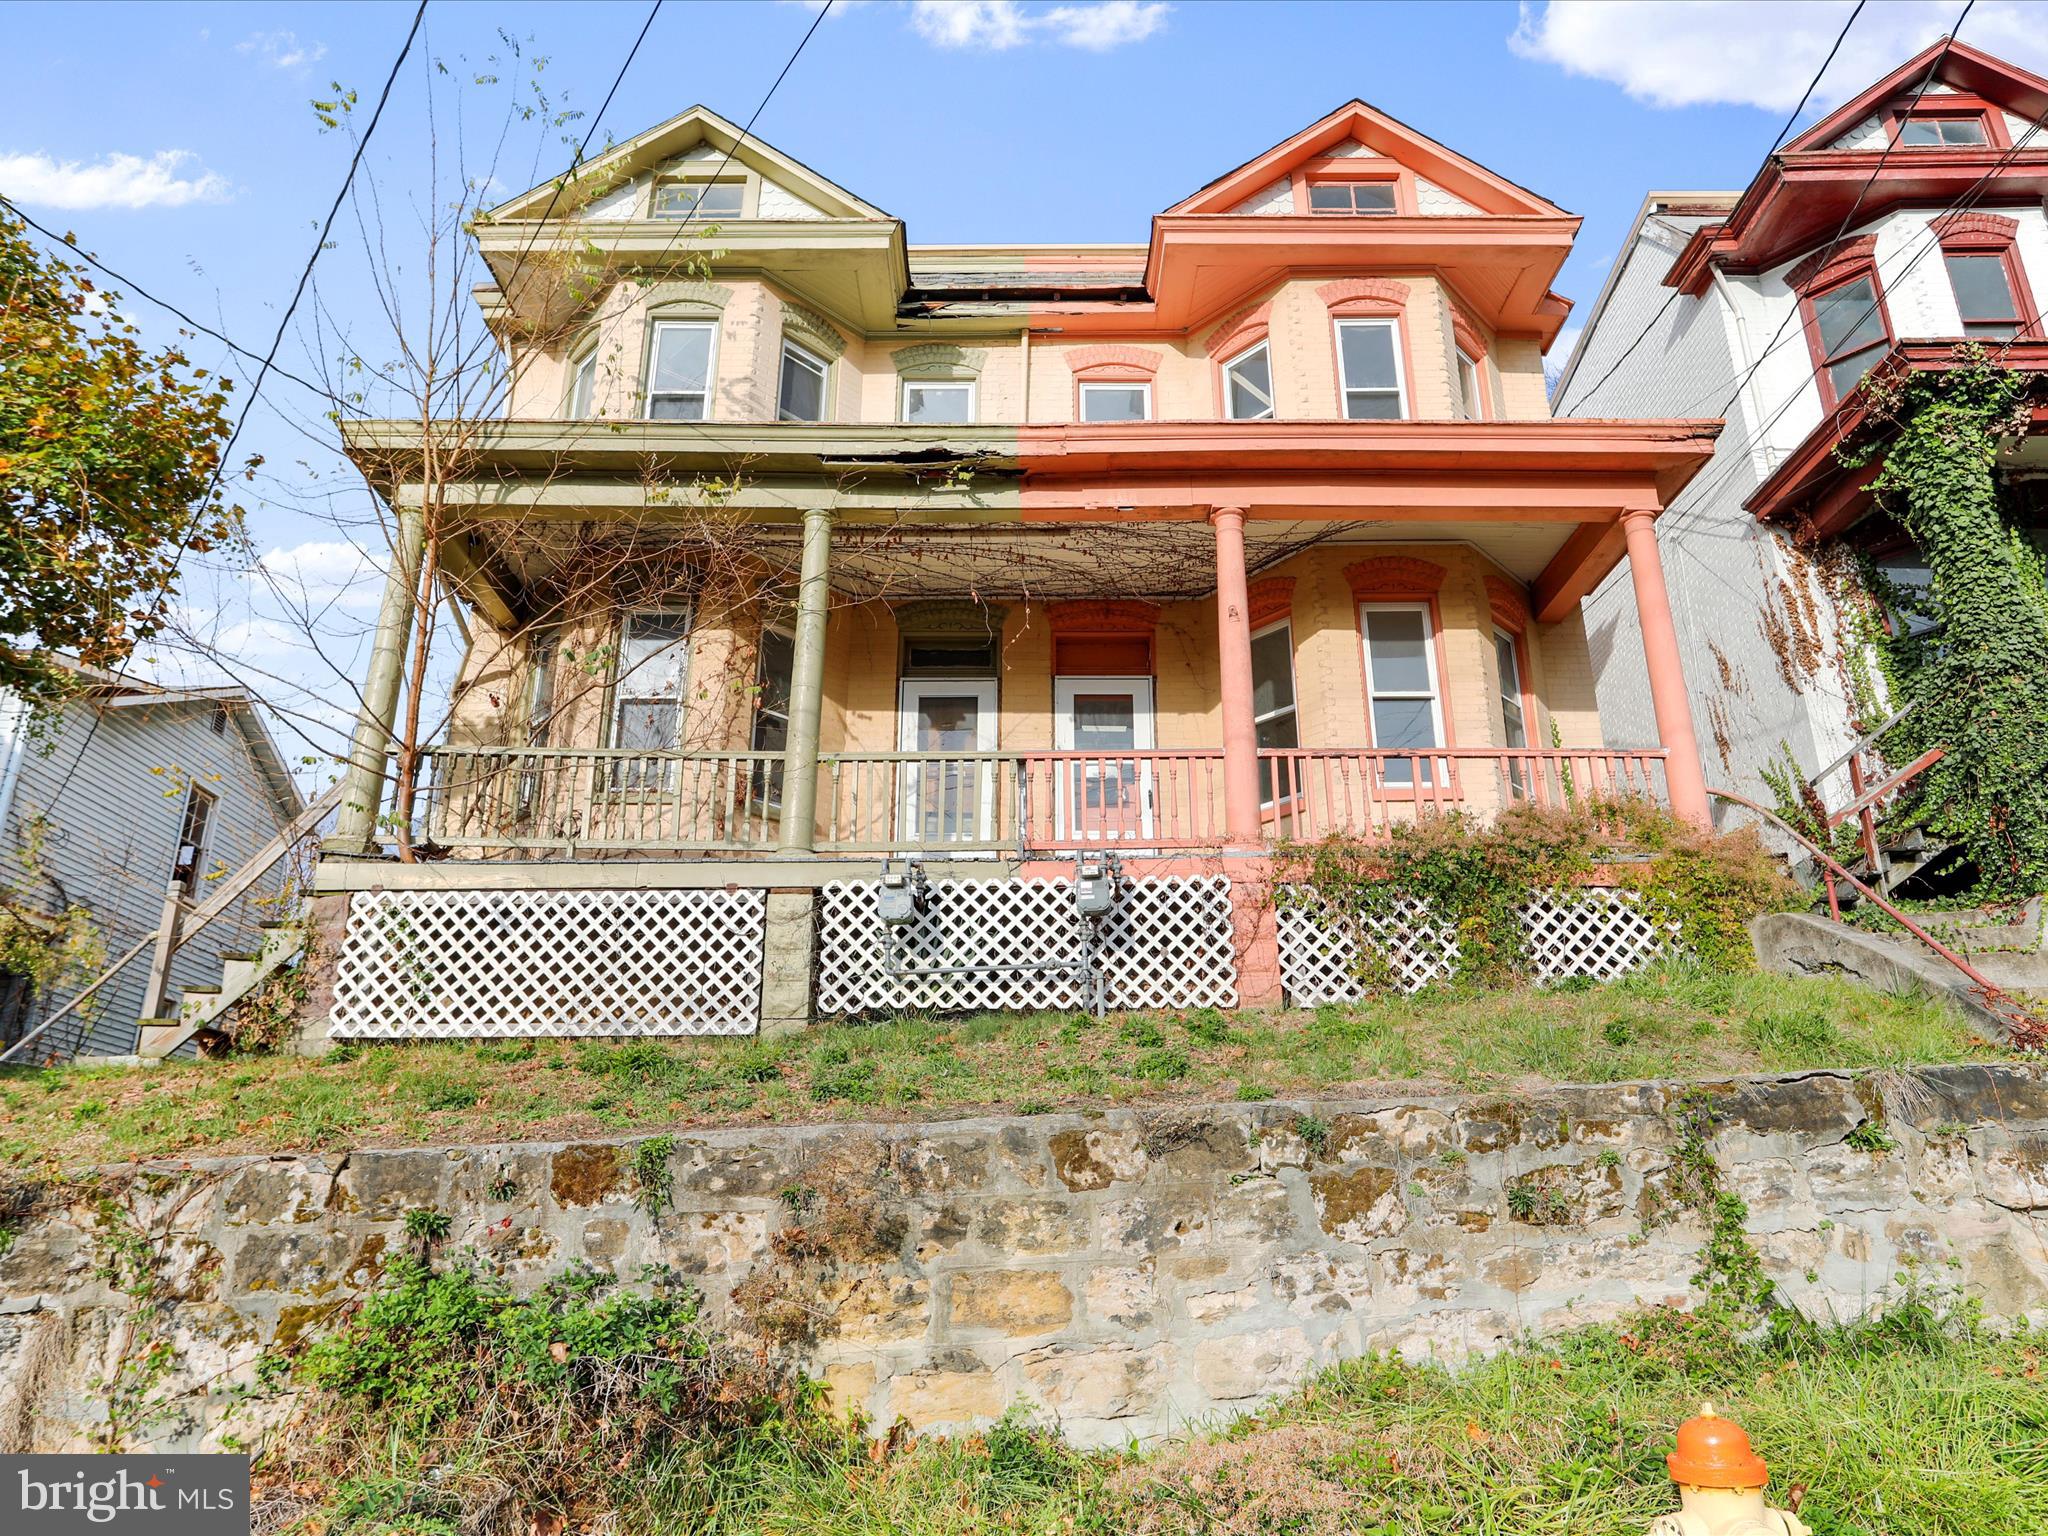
{"type": "Point", "coordinates": [802, 548]}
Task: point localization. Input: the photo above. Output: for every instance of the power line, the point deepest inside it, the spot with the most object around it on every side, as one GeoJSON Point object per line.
{"type": "Point", "coordinates": [262, 374]}
{"type": "Point", "coordinates": [1804, 97]}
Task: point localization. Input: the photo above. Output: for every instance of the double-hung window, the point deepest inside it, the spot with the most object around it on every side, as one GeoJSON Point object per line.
{"type": "Point", "coordinates": [937, 403]}
{"type": "Point", "coordinates": [1848, 332]}
{"type": "Point", "coordinates": [1369, 366]}
{"type": "Point", "coordinates": [647, 695]}
{"type": "Point", "coordinates": [582, 385]}
{"type": "Point", "coordinates": [772, 670]}
{"type": "Point", "coordinates": [1471, 401]}
{"type": "Point", "coordinates": [1401, 682]}
{"type": "Point", "coordinates": [1351, 197]}
{"type": "Point", "coordinates": [1983, 286]}
{"type": "Point", "coordinates": [679, 371]}
{"type": "Point", "coordinates": [1513, 713]}
{"type": "Point", "coordinates": [1248, 384]}
{"type": "Point", "coordinates": [186, 870]}
{"type": "Point", "coordinates": [1273, 706]}
{"type": "Point", "coordinates": [801, 396]}
{"type": "Point", "coordinates": [1116, 401]}
{"type": "Point", "coordinates": [699, 199]}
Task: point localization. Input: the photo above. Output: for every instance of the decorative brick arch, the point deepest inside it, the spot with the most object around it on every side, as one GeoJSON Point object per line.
{"type": "Point", "coordinates": [1471, 340]}
{"type": "Point", "coordinates": [1364, 296]}
{"type": "Point", "coordinates": [1270, 599]}
{"type": "Point", "coordinates": [1109, 638]}
{"type": "Point", "coordinates": [1105, 617]}
{"type": "Point", "coordinates": [1978, 229]}
{"type": "Point", "coordinates": [1509, 602]}
{"type": "Point", "coordinates": [1108, 360]}
{"type": "Point", "coordinates": [1246, 328]}
{"type": "Point", "coordinates": [1828, 263]}
{"type": "Point", "coordinates": [1394, 576]}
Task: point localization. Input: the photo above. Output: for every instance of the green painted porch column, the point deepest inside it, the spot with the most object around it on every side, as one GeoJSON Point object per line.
{"type": "Point", "coordinates": [355, 823]}
{"type": "Point", "coordinates": [806, 687]}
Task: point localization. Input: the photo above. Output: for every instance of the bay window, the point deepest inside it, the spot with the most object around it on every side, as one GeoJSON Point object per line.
{"type": "Point", "coordinates": [679, 370]}
{"type": "Point", "coordinates": [1116, 400]}
{"type": "Point", "coordinates": [929, 402]}
{"type": "Point", "coordinates": [1248, 384]}
{"type": "Point", "coordinates": [801, 396]}
{"type": "Point", "coordinates": [1369, 370]}
{"type": "Point", "coordinates": [1848, 333]}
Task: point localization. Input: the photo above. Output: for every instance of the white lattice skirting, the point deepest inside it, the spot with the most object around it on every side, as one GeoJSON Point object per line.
{"type": "Point", "coordinates": [1594, 932]}
{"type": "Point", "coordinates": [1166, 944]}
{"type": "Point", "coordinates": [429, 965]}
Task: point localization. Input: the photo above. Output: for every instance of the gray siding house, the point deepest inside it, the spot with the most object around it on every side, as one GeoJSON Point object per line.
{"type": "Point", "coordinates": [107, 798]}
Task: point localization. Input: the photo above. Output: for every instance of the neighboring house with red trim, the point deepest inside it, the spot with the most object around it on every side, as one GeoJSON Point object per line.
{"type": "Point", "coordinates": [1259, 529]}
{"type": "Point", "coordinates": [1908, 219]}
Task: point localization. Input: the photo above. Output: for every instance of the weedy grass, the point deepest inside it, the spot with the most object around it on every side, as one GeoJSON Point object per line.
{"type": "Point", "coordinates": [1665, 1022]}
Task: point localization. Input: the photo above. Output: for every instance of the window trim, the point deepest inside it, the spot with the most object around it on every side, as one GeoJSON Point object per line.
{"type": "Point", "coordinates": [1836, 277]}
{"type": "Point", "coordinates": [1344, 388]}
{"type": "Point", "coordinates": [1440, 704]}
{"type": "Point", "coordinates": [906, 385]}
{"type": "Point", "coordinates": [804, 355]}
{"type": "Point", "coordinates": [1350, 184]}
{"type": "Point", "coordinates": [1951, 109]}
{"type": "Point", "coordinates": [655, 327]}
{"type": "Point", "coordinates": [1272, 411]}
{"type": "Point", "coordinates": [1475, 406]}
{"type": "Point", "coordinates": [1139, 383]}
{"type": "Point", "coordinates": [1989, 234]}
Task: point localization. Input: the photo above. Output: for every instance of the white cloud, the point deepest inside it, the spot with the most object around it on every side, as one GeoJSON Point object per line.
{"type": "Point", "coordinates": [324, 573]}
{"type": "Point", "coordinates": [994, 25]}
{"type": "Point", "coordinates": [114, 181]}
{"type": "Point", "coordinates": [1689, 53]}
{"type": "Point", "coordinates": [281, 50]}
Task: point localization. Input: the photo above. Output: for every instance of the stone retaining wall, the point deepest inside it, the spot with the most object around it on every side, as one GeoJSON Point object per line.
{"type": "Point", "coordinates": [1125, 1272]}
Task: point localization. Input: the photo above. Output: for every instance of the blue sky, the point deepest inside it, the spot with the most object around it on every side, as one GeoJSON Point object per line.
{"type": "Point", "coordinates": [986, 121]}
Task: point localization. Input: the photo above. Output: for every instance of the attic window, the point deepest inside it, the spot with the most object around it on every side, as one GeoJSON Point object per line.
{"type": "Point", "coordinates": [1927, 132]}
{"type": "Point", "coordinates": [708, 199]}
{"type": "Point", "coordinates": [218, 723]}
{"type": "Point", "coordinates": [1351, 197]}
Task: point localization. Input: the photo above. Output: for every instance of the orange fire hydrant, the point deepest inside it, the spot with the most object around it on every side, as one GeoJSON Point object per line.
{"type": "Point", "coordinates": [1721, 1485]}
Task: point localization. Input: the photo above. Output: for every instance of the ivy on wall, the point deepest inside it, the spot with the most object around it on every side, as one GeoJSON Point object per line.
{"type": "Point", "coordinates": [1477, 877]}
{"type": "Point", "coordinates": [1979, 674]}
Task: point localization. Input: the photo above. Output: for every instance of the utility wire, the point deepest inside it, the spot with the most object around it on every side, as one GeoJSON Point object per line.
{"type": "Point", "coordinates": [262, 374]}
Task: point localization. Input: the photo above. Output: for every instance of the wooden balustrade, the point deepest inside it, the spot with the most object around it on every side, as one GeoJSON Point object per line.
{"type": "Point", "coordinates": [562, 800]}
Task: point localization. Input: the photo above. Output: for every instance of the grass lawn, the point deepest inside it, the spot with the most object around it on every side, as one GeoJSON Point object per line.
{"type": "Point", "coordinates": [1676, 1022]}
{"type": "Point", "coordinates": [1915, 1425]}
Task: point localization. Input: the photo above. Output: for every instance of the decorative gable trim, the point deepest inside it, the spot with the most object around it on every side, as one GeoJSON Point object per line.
{"type": "Point", "coordinates": [1364, 296]}
{"type": "Point", "coordinates": [938, 360]}
{"type": "Point", "coordinates": [1395, 576]}
{"type": "Point", "coordinates": [1471, 340]}
{"type": "Point", "coordinates": [1510, 604]}
{"type": "Point", "coordinates": [1112, 360]}
{"type": "Point", "coordinates": [1830, 262]}
{"type": "Point", "coordinates": [1269, 600]}
{"type": "Point", "coordinates": [1246, 328]}
{"type": "Point", "coordinates": [814, 327]}
{"type": "Point", "coordinates": [1108, 617]}
{"type": "Point", "coordinates": [1978, 229]}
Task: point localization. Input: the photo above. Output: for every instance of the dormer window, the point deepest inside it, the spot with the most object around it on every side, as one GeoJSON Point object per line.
{"type": "Point", "coordinates": [1351, 197]}
{"type": "Point", "coordinates": [699, 199]}
{"type": "Point", "coordinates": [1930, 132]}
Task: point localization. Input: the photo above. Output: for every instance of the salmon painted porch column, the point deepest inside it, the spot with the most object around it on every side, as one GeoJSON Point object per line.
{"type": "Point", "coordinates": [1683, 777]}
{"type": "Point", "coordinates": [806, 686]}
{"type": "Point", "coordinates": [1257, 939]}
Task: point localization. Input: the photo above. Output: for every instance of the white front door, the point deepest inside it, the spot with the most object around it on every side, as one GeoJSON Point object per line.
{"type": "Point", "coordinates": [947, 802]}
{"type": "Point", "coordinates": [1108, 793]}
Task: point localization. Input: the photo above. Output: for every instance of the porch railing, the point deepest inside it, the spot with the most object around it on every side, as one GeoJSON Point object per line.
{"type": "Point", "coordinates": [564, 800]}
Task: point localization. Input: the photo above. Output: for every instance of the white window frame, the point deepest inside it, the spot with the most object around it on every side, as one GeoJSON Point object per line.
{"type": "Point", "coordinates": [1350, 186]}
{"type": "Point", "coordinates": [623, 774]}
{"type": "Point", "coordinates": [583, 384]}
{"type": "Point", "coordinates": [710, 367]}
{"type": "Point", "coordinates": [807, 358]}
{"type": "Point", "coordinates": [1142, 386]}
{"type": "Point", "coordinates": [1472, 401]}
{"type": "Point", "coordinates": [903, 396]}
{"type": "Point", "coordinates": [1344, 385]}
{"type": "Point", "coordinates": [654, 210]}
{"type": "Point", "coordinates": [1230, 365]}
{"type": "Point", "coordinates": [1374, 693]}
{"type": "Point", "coordinates": [1293, 709]}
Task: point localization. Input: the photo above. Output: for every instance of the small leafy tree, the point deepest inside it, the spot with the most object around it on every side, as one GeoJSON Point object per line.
{"type": "Point", "coordinates": [108, 454]}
